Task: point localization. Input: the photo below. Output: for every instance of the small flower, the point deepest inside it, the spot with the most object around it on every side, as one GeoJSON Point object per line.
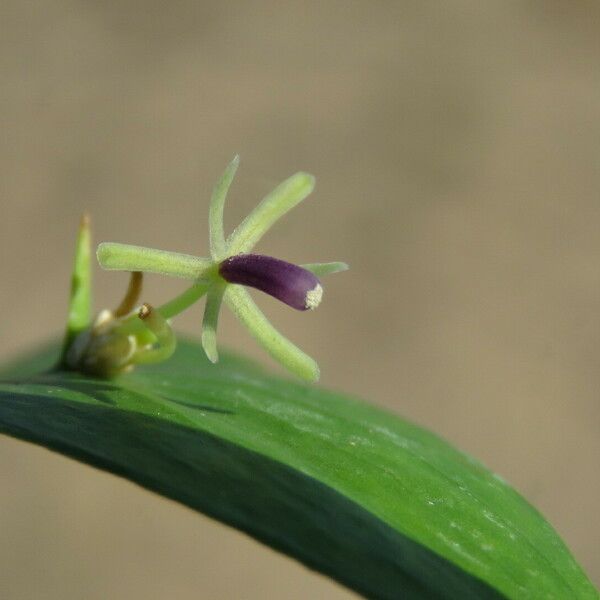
{"type": "Point", "coordinates": [221, 278]}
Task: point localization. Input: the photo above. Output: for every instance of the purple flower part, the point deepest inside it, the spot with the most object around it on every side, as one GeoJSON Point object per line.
{"type": "Point", "coordinates": [289, 283]}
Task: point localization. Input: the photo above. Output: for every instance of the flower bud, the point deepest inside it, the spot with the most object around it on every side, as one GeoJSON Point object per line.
{"type": "Point", "coordinates": [285, 281]}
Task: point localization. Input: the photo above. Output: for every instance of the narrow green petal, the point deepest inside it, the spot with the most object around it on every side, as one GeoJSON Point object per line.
{"type": "Point", "coordinates": [210, 321]}
{"type": "Point", "coordinates": [124, 257]}
{"type": "Point", "coordinates": [215, 214]}
{"type": "Point", "coordinates": [80, 298]}
{"type": "Point", "coordinates": [279, 347]}
{"type": "Point", "coordinates": [165, 337]}
{"type": "Point", "coordinates": [320, 269]}
{"type": "Point", "coordinates": [276, 204]}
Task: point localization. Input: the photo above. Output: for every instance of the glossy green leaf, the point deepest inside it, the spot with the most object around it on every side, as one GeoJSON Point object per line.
{"type": "Point", "coordinates": [377, 503]}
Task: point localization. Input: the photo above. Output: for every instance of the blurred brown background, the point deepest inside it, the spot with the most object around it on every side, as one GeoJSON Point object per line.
{"type": "Point", "coordinates": [456, 150]}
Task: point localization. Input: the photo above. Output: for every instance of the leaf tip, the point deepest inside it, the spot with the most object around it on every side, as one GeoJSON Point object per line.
{"type": "Point", "coordinates": [85, 222]}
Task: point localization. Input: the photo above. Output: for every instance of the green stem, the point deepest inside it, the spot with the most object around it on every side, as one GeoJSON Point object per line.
{"type": "Point", "coordinates": [133, 325]}
{"type": "Point", "coordinates": [184, 300]}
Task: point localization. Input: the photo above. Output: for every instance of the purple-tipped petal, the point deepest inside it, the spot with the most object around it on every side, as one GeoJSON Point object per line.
{"type": "Point", "coordinates": [285, 281]}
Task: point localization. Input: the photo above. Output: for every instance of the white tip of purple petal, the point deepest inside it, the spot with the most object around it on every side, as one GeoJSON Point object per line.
{"type": "Point", "coordinates": [313, 297]}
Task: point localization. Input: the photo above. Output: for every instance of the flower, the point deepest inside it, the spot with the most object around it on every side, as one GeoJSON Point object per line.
{"type": "Point", "coordinates": [230, 267]}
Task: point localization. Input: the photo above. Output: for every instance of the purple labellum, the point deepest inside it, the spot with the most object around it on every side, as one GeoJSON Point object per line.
{"type": "Point", "coordinates": [289, 283]}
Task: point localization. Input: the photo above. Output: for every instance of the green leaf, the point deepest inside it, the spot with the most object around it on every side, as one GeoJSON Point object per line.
{"type": "Point", "coordinates": [381, 505]}
{"type": "Point", "coordinates": [80, 297]}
